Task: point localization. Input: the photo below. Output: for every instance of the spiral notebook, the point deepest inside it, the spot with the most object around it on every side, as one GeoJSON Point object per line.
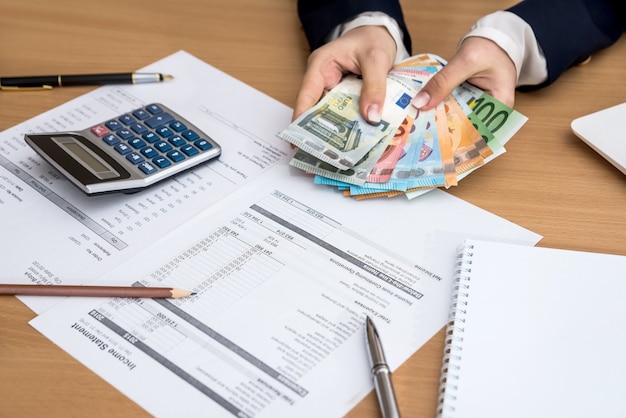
{"type": "Point", "coordinates": [535, 332]}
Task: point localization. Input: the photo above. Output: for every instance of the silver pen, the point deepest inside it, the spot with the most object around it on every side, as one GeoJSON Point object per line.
{"type": "Point", "coordinates": [381, 372]}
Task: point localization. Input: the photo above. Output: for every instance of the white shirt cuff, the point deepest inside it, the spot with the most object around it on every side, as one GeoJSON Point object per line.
{"type": "Point", "coordinates": [517, 39]}
{"type": "Point", "coordinates": [375, 19]}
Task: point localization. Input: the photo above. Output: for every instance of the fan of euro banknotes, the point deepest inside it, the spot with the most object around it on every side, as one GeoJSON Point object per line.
{"type": "Point", "coordinates": [409, 152]}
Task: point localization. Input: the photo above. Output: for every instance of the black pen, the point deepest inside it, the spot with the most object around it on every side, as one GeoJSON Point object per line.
{"type": "Point", "coordinates": [49, 81]}
{"type": "Point", "coordinates": [381, 372]}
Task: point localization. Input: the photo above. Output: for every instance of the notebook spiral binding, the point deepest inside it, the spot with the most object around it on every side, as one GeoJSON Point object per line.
{"type": "Point", "coordinates": [454, 331]}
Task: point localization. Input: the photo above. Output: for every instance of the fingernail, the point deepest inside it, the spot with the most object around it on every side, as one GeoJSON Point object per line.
{"type": "Point", "coordinates": [421, 99]}
{"type": "Point", "coordinates": [373, 114]}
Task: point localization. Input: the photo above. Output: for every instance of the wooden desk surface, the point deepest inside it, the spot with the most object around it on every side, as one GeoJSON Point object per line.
{"type": "Point", "coordinates": [548, 181]}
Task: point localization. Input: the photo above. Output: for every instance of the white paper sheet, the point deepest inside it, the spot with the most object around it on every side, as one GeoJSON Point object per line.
{"type": "Point", "coordinates": [53, 233]}
{"type": "Point", "coordinates": [540, 334]}
{"type": "Point", "coordinates": [285, 270]}
{"type": "Point", "coordinates": [285, 274]}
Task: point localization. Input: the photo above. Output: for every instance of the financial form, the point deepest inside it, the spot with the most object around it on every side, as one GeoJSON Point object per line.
{"type": "Point", "coordinates": [284, 279]}
{"type": "Point", "coordinates": [285, 271]}
{"type": "Point", "coordinates": [44, 219]}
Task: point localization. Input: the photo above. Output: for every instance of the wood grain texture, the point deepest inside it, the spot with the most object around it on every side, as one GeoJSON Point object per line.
{"type": "Point", "coordinates": [548, 181]}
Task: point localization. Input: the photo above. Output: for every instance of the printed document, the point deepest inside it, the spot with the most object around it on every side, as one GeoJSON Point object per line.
{"type": "Point", "coordinates": [54, 234]}
{"type": "Point", "coordinates": [284, 270]}
{"type": "Point", "coordinates": [284, 277]}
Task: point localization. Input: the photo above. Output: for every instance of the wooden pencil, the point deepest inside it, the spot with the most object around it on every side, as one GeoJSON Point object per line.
{"type": "Point", "coordinates": [95, 291]}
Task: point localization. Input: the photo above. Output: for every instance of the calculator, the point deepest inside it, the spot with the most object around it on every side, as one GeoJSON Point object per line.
{"type": "Point", "coordinates": [127, 153]}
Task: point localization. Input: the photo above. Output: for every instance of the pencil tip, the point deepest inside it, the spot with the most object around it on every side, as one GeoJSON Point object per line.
{"type": "Point", "coordinates": [179, 293]}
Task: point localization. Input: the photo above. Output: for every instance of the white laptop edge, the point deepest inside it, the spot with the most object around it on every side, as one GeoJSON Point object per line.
{"type": "Point", "coordinates": [605, 132]}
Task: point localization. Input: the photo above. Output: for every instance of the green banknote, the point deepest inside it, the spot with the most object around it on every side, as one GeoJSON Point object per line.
{"type": "Point", "coordinates": [501, 120]}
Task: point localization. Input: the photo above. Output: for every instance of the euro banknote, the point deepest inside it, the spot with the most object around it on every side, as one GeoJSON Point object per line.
{"type": "Point", "coordinates": [410, 151]}
{"type": "Point", "coordinates": [333, 130]}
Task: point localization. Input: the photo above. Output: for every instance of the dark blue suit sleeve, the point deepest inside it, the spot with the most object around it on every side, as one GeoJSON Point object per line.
{"type": "Point", "coordinates": [569, 31]}
{"type": "Point", "coordinates": [319, 17]}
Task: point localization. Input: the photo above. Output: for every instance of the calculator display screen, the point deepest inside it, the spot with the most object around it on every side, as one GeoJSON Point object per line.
{"type": "Point", "coordinates": [86, 158]}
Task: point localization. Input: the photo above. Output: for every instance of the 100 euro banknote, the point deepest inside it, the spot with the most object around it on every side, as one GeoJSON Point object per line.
{"type": "Point", "coordinates": [501, 120]}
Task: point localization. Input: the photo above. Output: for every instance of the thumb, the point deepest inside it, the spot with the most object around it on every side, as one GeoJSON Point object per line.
{"type": "Point", "coordinates": [373, 92]}
{"type": "Point", "coordinates": [439, 87]}
{"type": "Point", "coordinates": [372, 101]}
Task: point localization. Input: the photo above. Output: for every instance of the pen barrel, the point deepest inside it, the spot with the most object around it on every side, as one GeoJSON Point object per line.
{"type": "Point", "coordinates": [52, 80]}
{"type": "Point", "coordinates": [112, 78]}
{"type": "Point", "coordinates": [81, 80]}
{"type": "Point", "coordinates": [95, 79]}
{"type": "Point", "coordinates": [385, 392]}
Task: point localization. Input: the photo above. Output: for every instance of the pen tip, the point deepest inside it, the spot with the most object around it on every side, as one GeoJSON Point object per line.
{"type": "Point", "coordinates": [167, 77]}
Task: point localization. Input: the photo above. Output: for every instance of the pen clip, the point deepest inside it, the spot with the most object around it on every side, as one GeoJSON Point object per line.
{"type": "Point", "coordinates": [17, 88]}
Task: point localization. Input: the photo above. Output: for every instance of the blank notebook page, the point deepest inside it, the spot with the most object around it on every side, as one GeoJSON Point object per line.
{"type": "Point", "coordinates": [538, 332]}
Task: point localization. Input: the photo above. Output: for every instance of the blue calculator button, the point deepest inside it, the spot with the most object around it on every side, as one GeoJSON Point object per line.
{"type": "Point", "coordinates": [178, 126]}
{"type": "Point", "coordinates": [161, 162]}
{"type": "Point", "coordinates": [138, 128]}
{"type": "Point", "coordinates": [125, 133]}
{"type": "Point", "coordinates": [154, 109]}
{"type": "Point", "coordinates": [189, 150]}
{"type": "Point", "coordinates": [134, 158]}
{"type": "Point", "coordinates": [163, 146]}
{"type": "Point", "coordinates": [149, 152]}
{"type": "Point", "coordinates": [147, 168]}
{"type": "Point", "coordinates": [151, 140]}
{"type": "Point", "coordinates": [150, 137]}
{"type": "Point", "coordinates": [136, 143]}
{"type": "Point", "coordinates": [203, 144]}
{"type": "Point", "coordinates": [177, 141]}
{"type": "Point", "coordinates": [159, 120]}
{"type": "Point", "coordinates": [190, 135]}
{"type": "Point", "coordinates": [141, 114]}
{"type": "Point", "coordinates": [110, 139]}
{"type": "Point", "coordinates": [113, 125]}
{"type": "Point", "coordinates": [175, 156]}
{"type": "Point", "coordinates": [122, 148]}
{"type": "Point", "coordinates": [127, 119]}
{"type": "Point", "coordinates": [164, 131]}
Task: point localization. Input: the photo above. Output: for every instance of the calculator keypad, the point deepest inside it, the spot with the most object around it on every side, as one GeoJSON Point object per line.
{"type": "Point", "coordinates": [151, 138]}
{"type": "Point", "coordinates": [128, 152]}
